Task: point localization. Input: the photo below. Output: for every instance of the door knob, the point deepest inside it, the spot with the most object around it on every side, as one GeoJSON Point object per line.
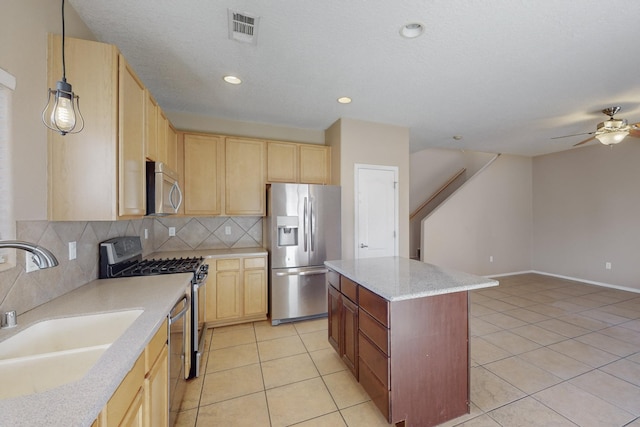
{"type": "Point", "coordinates": [362, 245]}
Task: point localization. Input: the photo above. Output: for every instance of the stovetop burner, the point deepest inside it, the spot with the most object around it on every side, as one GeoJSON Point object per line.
{"type": "Point", "coordinates": [164, 266]}
{"type": "Point", "coordinates": [122, 257]}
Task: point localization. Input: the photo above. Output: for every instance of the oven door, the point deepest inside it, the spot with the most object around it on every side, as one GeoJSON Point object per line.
{"type": "Point", "coordinates": [198, 304]}
{"type": "Point", "coordinates": [179, 353]}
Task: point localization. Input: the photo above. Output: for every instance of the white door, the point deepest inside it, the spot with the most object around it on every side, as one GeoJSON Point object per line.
{"type": "Point", "coordinates": [376, 210]}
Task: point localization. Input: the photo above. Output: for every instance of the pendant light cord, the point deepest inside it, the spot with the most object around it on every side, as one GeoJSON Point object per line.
{"type": "Point", "coordinates": [64, 71]}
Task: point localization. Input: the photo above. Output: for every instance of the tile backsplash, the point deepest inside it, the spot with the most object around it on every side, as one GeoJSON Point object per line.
{"type": "Point", "coordinates": [23, 291]}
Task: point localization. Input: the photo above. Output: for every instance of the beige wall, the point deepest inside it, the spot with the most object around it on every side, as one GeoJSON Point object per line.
{"type": "Point", "coordinates": [491, 215]}
{"type": "Point", "coordinates": [358, 141]}
{"type": "Point", "coordinates": [431, 168]}
{"type": "Point", "coordinates": [24, 25]}
{"type": "Point", "coordinates": [586, 212]}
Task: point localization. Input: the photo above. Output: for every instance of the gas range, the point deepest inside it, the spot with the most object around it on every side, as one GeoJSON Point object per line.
{"type": "Point", "coordinates": [122, 257]}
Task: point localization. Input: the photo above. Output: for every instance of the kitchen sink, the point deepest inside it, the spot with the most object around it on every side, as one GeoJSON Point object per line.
{"type": "Point", "coordinates": [34, 374]}
{"type": "Point", "coordinates": [58, 351]}
{"type": "Point", "coordinates": [68, 333]}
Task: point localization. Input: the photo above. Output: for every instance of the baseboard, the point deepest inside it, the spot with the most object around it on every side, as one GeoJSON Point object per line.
{"type": "Point", "coordinates": [575, 279]}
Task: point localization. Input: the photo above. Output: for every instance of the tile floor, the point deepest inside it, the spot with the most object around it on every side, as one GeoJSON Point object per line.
{"type": "Point", "coordinates": [544, 352]}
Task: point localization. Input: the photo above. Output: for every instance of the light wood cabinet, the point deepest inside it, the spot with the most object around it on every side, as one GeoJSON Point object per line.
{"type": "Point", "coordinates": [203, 174]}
{"type": "Point", "coordinates": [131, 159]}
{"type": "Point", "coordinates": [315, 164]}
{"type": "Point", "coordinates": [298, 163]}
{"type": "Point", "coordinates": [245, 173]}
{"type": "Point", "coordinates": [99, 173]}
{"type": "Point", "coordinates": [172, 146]}
{"type": "Point", "coordinates": [282, 162]}
{"type": "Point", "coordinates": [236, 290]}
{"type": "Point", "coordinates": [151, 136]}
{"type": "Point", "coordinates": [142, 399]}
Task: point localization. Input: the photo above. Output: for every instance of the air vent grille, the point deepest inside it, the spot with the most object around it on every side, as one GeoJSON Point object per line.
{"type": "Point", "coordinates": [243, 27]}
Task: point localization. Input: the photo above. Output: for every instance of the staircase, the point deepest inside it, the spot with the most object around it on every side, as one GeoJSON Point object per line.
{"type": "Point", "coordinates": [446, 190]}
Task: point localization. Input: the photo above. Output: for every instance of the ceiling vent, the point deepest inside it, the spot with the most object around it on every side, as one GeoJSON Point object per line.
{"type": "Point", "coordinates": [243, 27]}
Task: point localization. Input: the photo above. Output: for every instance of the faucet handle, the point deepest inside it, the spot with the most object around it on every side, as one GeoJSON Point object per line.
{"type": "Point", "coordinates": [10, 319]}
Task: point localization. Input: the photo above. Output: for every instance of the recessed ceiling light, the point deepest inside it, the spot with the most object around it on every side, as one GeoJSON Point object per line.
{"type": "Point", "coordinates": [412, 30]}
{"type": "Point", "coordinates": [232, 80]}
{"type": "Point", "coordinates": [344, 100]}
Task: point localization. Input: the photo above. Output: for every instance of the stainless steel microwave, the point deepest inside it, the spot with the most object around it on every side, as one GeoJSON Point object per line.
{"type": "Point", "coordinates": [164, 195]}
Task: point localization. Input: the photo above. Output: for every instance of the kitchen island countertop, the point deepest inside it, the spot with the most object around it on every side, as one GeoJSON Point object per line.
{"type": "Point", "coordinates": [78, 403]}
{"type": "Point", "coordinates": [397, 278]}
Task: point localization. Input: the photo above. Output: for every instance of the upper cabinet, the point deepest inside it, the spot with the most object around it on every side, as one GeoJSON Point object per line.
{"type": "Point", "coordinates": [298, 163]}
{"type": "Point", "coordinates": [99, 173]}
{"type": "Point", "coordinates": [315, 164]}
{"type": "Point", "coordinates": [131, 163]}
{"type": "Point", "coordinates": [245, 174]}
{"type": "Point", "coordinates": [203, 174]}
{"type": "Point", "coordinates": [151, 137]}
{"type": "Point", "coordinates": [83, 167]}
{"type": "Point", "coordinates": [223, 175]}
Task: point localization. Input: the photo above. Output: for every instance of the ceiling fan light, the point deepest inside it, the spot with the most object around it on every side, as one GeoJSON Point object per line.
{"type": "Point", "coordinates": [611, 138]}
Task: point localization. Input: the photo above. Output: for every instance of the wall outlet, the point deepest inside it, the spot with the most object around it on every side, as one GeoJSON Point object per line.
{"type": "Point", "coordinates": [607, 265]}
{"type": "Point", "coordinates": [72, 250]}
{"type": "Point", "coordinates": [172, 231]}
{"type": "Point", "coordinates": [227, 230]}
{"type": "Point", "coordinates": [490, 258]}
{"type": "Point", "coordinates": [29, 264]}
{"type": "Point", "coordinates": [146, 233]}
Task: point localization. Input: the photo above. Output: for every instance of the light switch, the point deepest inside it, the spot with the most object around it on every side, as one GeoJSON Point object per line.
{"type": "Point", "coordinates": [72, 250]}
{"type": "Point", "coordinates": [227, 230]}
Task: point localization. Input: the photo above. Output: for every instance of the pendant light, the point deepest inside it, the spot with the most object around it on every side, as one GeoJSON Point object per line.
{"type": "Point", "coordinates": [62, 113]}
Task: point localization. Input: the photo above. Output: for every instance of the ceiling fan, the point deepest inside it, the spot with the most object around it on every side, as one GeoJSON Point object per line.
{"type": "Point", "coordinates": [611, 131]}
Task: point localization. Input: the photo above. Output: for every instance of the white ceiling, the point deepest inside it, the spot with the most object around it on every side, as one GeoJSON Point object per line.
{"type": "Point", "coordinates": [507, 75]}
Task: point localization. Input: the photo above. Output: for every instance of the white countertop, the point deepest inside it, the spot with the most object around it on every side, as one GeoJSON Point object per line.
{"type": "Point", "coordinates": [78, 403]}
{"type": "Point", "coordinates": [396, 278]}
{"type": "Point", "coordinates": [211, 253]}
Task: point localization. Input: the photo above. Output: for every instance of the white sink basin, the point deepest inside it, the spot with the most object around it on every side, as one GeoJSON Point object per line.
{"type": "Point", "coordinates": [58, 351]}
{"type": "Point", "coordinates": [34, 374]}
{"type": "Point", "coordinates": [68, 333]}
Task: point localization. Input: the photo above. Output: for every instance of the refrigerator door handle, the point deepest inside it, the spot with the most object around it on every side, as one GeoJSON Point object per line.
{"type": "Point", "coordinates": [302, 273]}
{"type": "Point", "coordinates": [312, 232]}
{"type": "Point", "coordinates": [304, 224]}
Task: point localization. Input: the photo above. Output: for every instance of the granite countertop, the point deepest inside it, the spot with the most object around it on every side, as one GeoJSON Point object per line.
{"type": "Point", "coordinates": [396, 278]}
{"type": "Point", "coordinates": [78, 403]}
{"type": "Point", "coordinates": [211, 253]}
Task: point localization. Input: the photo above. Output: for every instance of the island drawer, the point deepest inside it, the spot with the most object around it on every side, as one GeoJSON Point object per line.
{"type": "Point", "coordinates": [378, 393]}
{"type": "Point", "coordinates": [333, 279]}
{"type": "Point", "coordinates": [349, 288]}
{"type": "Point", "coordinates": [376, 360]}
{"type": "Point", "coordinates": [375, 305]}
{"type": "Point", "coordinates": [373, 330]}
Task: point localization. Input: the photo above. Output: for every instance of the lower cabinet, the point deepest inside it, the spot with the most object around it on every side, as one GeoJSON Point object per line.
{"type": "Point", "coordinates": [142, 398]}
{"type": "Point", "coordinates": [343, 322]}
{"type": "Point", "coordinates": [411, 356]}
{"type": "Point", "coordinates": [236, 290]}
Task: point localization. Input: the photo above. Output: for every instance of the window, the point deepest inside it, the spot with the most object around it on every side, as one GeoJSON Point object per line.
{"type": "Point", "coordinates": [7, 222]}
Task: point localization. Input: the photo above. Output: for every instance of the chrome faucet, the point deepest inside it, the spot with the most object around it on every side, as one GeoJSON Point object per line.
{"type": "Point", "coordinates": [42, 257]}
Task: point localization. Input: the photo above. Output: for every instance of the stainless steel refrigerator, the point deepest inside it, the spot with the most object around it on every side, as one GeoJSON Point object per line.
{"type": "Point", "coordinates": [302, 230]}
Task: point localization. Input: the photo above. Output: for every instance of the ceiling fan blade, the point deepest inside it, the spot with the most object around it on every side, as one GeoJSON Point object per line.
{"type": "Point", "coordinates": [575, 134]}
{"type": "Point", "coordinates": [585, 141]}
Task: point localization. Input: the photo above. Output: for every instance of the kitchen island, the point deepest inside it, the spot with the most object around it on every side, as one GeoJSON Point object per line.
{"type": "Point", "coordinates": [402, 327]}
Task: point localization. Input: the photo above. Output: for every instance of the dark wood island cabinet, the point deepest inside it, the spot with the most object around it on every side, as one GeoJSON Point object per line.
{"type": "Point", "coordinates": [401, 326]}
